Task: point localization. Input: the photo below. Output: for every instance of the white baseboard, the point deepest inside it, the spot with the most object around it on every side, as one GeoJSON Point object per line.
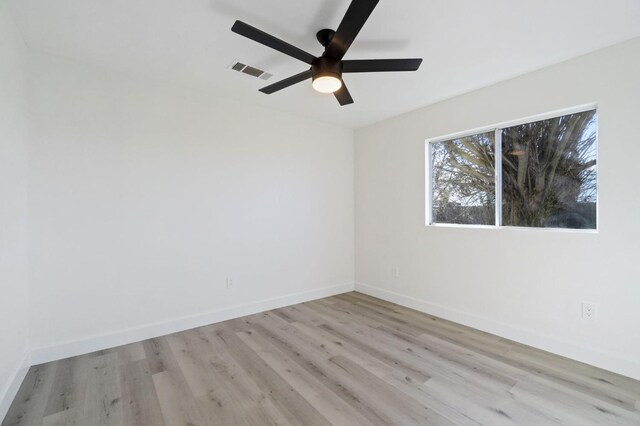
{"type": "Point", "coordinates": [136, 334]}
{"type": "Point", "coordinates": [625, 367]}
{"type": "Point", "coordinates": [8, 394]}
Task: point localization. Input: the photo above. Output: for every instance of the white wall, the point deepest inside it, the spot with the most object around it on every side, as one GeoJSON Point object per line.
{"type": "Point", "coordinates": [523, 284]}
{"type": "Point", "coordinates": [144, 198]}
{"type": "Point", "coordinates": [13, 210]}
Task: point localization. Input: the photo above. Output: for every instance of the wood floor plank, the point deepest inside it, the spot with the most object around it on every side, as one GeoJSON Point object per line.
{"type": "Point", "coordinates": [336, 410]}
{"type": "Point", "coordinates": [296, 409]}
{"type": "Point", "coordinates": [572, 408]}
{"type": "Point", "coordinates": [349, 359]}
{"type": "Point", "coordinates": [61, 418]}
{"type": "Point", "coordinates": [177, 406]}
{"type": "Point", "coordinates": [62, 396]}
{"type": "Point", "coordinates": [457, 414]}
{"type": "Point", "coordinates": [177, 402]}
{"type": "Point", "coordinates": [346, 349]}
{"type": "Point", "coordinates": [220, 399]}
{"type": "Point", "coordinates": [139, 398]}
{"type": "Point", "coordinates": [342, 330]}
{"type": "Point", "coordinates": [256, 405]}
{"type": "Point", "coordinates": [405, 410]}
{"type": "Point", "coordinates": [359, 397]}
{"type": "Point", "coordinates": [29, 404]}
{"type": "Point", "coordinates": [391, 355]}
{"type": "Point", "coordinates": [103, 398]}
{"type": "Point", "coordinates": [524, 358]}
{"type": "Point", "coordinates": [159, 355]}
{"type": "Point", "coordinates": [569, 371]}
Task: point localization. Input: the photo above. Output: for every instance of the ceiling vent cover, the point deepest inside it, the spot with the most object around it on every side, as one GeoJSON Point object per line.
{"type": "Point", "coordinates": [249, 70]}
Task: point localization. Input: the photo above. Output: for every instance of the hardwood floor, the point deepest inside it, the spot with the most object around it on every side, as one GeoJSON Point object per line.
{"type": "Point", "coordinates": [344, 360]}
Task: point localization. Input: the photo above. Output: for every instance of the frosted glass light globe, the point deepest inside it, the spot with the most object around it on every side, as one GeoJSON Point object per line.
{"type": "Point", "coordinates": [327, 84]}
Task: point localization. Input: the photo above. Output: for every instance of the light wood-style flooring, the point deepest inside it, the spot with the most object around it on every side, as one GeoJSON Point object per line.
{"type": "Point", "coordinates": [344, 360]}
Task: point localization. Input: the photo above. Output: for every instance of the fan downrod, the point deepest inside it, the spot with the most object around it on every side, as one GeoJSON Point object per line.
{"type": "Point", "coordinates": [324, 36]}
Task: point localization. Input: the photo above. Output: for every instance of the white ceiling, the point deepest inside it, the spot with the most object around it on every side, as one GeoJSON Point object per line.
{"type": "Point", "coordinates": [466, 44]}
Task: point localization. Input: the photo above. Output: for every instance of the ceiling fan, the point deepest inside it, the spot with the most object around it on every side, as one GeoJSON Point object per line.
{"type": "Point", "coordinates": [326, 70]}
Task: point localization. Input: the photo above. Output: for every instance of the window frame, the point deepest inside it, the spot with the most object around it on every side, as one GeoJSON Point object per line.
{"type": "Point", "coordinates": [497, 129]}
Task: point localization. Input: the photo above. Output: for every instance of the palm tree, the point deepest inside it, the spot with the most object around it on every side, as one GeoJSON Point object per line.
{"type": "Point", "coordinates": [548, 175]}
{"type": "Point", "coordinates": [548, 172]}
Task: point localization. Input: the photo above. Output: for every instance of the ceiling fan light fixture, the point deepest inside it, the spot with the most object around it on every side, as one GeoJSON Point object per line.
{"type": "Point", "coordinates": [326, 74]}
{"type": "Point", "coordinates": [327, 83]}
{"type": "Point", "coordinates": [326, 70]}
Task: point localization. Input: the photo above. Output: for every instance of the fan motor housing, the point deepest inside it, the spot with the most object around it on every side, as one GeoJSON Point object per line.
{"type": "Point", "coordinates": [325, 66]}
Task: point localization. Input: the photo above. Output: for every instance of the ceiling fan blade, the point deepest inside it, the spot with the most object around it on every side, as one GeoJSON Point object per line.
{"type": "Point", "coordinates": [343, 96]}
{"type": "Point", "coordinates": [381, 65]}
{"type": "Point", "coordinates": [261, 37]}
{"type": "Point", "coordinates": [283, 84]}
{"type": "Point", "coordinates": [351, 24]}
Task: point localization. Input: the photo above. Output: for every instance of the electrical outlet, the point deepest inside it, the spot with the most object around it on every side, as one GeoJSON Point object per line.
{"type": "Point", "coordinates": [229, 282]}
{"type": "Point", "coordinates": [589, 311]}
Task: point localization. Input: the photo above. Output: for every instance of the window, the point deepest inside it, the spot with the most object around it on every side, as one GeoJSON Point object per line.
{"type": "Point", "coordinates": [464, 186]}
{"type": "Point", "coordinates": [540, 174]}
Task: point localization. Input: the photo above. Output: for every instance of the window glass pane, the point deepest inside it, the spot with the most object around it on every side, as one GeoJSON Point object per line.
{"type": "Point", "coordinates": [463, 178]}
{"type": "Point", "coordinates": [549, 173]}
